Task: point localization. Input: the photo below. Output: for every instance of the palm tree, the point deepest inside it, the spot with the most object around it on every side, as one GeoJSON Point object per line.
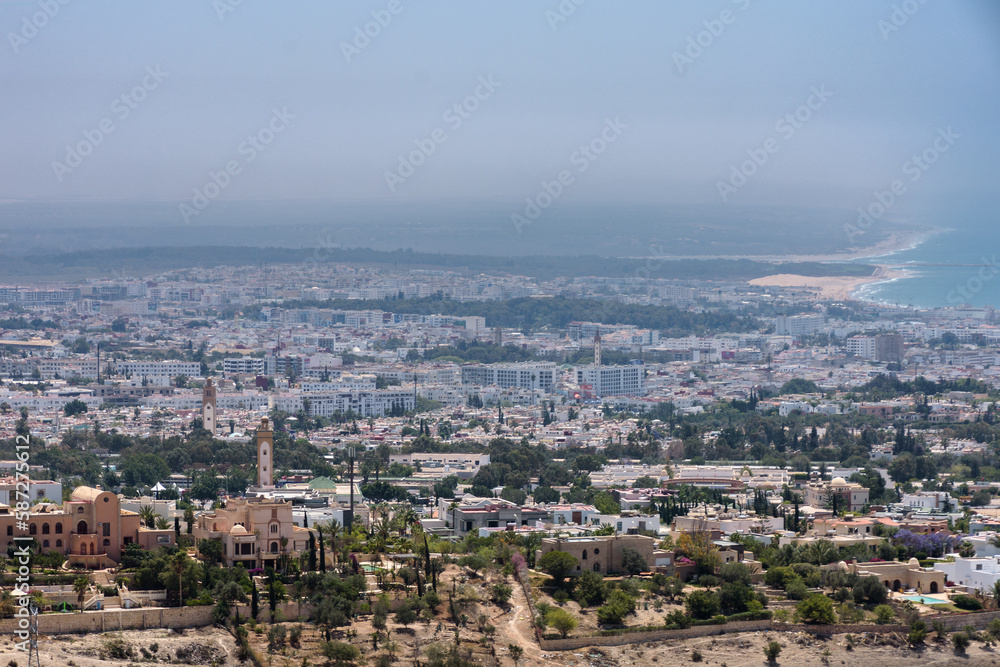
{"type": "Point", "coordinates": [996, 593]}
{"type": "Point", "coordinates": [148, 516]}
{"type": "Point", "coordinates": [80, 586]}
{"type": "Point", "coordinates": [161, 523]}
{"type": "Point", "coordinates": [179, 564]}
{"type": "Point", "coordinates": [407, 519]}
{"type": "Point", "coordinates": [334, 530]}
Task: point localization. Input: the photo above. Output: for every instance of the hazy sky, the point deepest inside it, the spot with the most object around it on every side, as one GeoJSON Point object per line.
{"type": "Point", "coordinates": [348, 107]}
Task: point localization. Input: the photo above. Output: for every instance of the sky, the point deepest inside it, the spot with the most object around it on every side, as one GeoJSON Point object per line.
{"type": "Point", "coordinates": [601, 101]}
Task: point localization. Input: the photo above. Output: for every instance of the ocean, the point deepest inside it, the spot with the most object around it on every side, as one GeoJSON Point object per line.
{"type": "Point", "coordinates": [948, 268]}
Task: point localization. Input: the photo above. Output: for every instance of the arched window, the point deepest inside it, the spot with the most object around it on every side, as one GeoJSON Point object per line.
{"type": "Point", "coordinates": [58, 529]}
{"type": "Point", "coordinates": [584, 554]}
{"type": "Point", "coordinates": [274, 528]}
{"type": "Point", "coordinates": [45, 529]}
{"type": "Point", "coordinates": [81, 528]}
{"type": "Point", "coordinates": [58, 544]}
{"type": "Point", "coordinates": [274, 547]}
{"type": "Point", "coordinates": [91, 548]}
{"type": "Point", "coordinates": [79, 510]}
{"type": "Point", "coordinates": [45, 544]}
{"type": "Point", "coordinates": [33, 530]}
{"type": "Point", "coordinates": [107, 543]}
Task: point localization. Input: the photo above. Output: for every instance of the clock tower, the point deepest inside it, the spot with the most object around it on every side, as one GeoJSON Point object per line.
{"type": "Point", "coordinates": [208, 407]}
{"type": "Point", "coordinates": [265, 455]}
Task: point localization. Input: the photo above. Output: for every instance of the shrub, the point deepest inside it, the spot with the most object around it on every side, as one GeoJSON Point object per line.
{"type": "Point", "coordinates": [816, 608]}
{"type": "Point", "coordinates": [501, 593]}
{"type": "Point", "coordinates": [561, 597]}
{"type": "Point", "coordinates": [618, 606]}
{"type": "Point", "coordinates": [702, 604]}
{"type": "Point", "coordinates": [735, 597]}
{"type": "Point", "coordinates": [696, 656]}
{"type": "Point", "coordinates": [796, 589]}
{"type": "Point", "coordinates": [562, 621]}
{"type": "Point", "coordinates": [884, 614]}
{"type": "Point", "coordinates": [917, 634]}
{"type": "Point", "coordinates": [778, 577]}
{"type": "Point", "coordinates": [340, 651]}
{"type": "Point", "coordinates": [961, 641]}
{"type": "Point", "coordinates": [632, 561]}
{"type": "Point", "coordinates": [677, 618]}
{"type": "Point", "coordinates": [709, 581]}
{"type": "Point", "coordinates": [772, 650]}
{"type": "Point", "coordinates": [940, 629]}
{"type": "Point", "coordinates": [736, 573]}
{"type": "Point", "coordinates": [870, 589]}
{"type": "Point", "coordinates": [993, 629]}
{"type": "Point", "coordinates": [590, 589]}
{"type": "Point", "coordinates": [967, 602]}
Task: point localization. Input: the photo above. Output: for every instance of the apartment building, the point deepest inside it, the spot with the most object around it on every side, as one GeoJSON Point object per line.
{"type": "Point", "coordinates": [611, 380]}
{"type": "Point", "coordinates": [538, 375]}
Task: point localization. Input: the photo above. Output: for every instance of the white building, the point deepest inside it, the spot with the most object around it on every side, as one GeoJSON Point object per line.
{"type": "Point", "coordinates": [611, 380]}
{"type": "Point", "coordinates": [978, 574]}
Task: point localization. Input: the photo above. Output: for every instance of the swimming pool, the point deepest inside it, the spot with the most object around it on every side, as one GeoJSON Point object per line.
{"type": "Point", "coordinates": [923, 599]}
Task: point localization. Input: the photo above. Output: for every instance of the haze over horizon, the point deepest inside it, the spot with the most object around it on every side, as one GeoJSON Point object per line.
{"type": "Point", "coordinates": [334, 111]}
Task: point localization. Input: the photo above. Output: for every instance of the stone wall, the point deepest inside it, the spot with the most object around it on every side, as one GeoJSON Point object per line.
{"type": "Point", "coordinates": [117, 619]}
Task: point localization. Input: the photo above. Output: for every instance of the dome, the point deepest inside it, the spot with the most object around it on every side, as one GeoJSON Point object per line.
{"type": "Point", "coordinates": [357, 349]}
{"type": "Point", "coordinates": [238, 530]}
{"type": "Point", "coordinates": [839, 480]}
{"type": "Point", "coordinates": [842, 566]}
{"type": "Point", "coordinates": [913, 562]}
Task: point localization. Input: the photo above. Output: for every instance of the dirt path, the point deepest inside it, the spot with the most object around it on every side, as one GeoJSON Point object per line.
{"type": "Point", "coordinates": [514, 633]}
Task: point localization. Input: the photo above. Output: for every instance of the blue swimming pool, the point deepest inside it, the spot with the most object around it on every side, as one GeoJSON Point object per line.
{"type": "Point", "coordinates": [923, 599]}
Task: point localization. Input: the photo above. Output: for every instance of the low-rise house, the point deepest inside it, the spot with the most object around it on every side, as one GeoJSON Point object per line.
{"type": "Point", "coordinates": [850, 495]}
{"type": "Point", "coordinates": [976, 574]}
{"type": "Point", "coordinates": [603, 553]}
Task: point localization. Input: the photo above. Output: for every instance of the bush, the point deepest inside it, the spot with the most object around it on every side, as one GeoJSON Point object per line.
{"type": "Point", "coordinates": [618, 606]}
{"type": "Point", "coordinates": [561, 597]}
{"type": "Point", "coordinates": [340, 651]}
{"type": "Point", "coordinates": [772, 650]}
{"type": "Point", "coordinates": [961, 641]}
{"type": "Point", "coordinates": [816, 608]}
{"type": "Point", "coordinates": [870, 589]}
{"type": "Point", "coordinates": [632, 561]}
{"type": "Point", "coordinates": [590, 589]}
{"type": "Point", "coordinates": [703, 604]}
{"type": "Point", "coordinates": [678, 619]}
{"type": "Point", "coordinates": [557, 564]}
{"type": "Point", "coordinates": [735, 598]}
{"type": "Point", "coordinates": [917, 634]}
{"type": "Point", "coordinates": [796, 589]}
{"type": "Point", "coordinates": [709, 581]}
{"type": "Point", "coordinates": [967, 602]}
{"type": "Point", "coordinates": [501, 593]}
{"type": "Point", "coordinates": [884, 614]}
{"type": "Point", "coordinates": [778, 577]}
{"type": "Point", "coordinates": [696, 656]}
{"type": "Point", "coordinates": [736, 573]}
{"type": "Point", "coordinates": [993, 629]}
{"type": "Point", "coordinates": [562, 621]}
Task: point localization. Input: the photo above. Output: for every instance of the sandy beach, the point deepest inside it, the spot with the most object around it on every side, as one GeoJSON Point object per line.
{"type": "Point", "coordinates": [830, 287]}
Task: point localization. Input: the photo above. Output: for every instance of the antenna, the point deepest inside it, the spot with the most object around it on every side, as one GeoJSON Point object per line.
{"type": "Point", "coordinates": [33, 659]}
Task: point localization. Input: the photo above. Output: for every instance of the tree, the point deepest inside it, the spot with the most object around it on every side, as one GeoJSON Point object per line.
{"type": "Point", "coordinates": [546, 494]}
{"type": "Point", "coordinates": [590, 589]}
{"type": "Point", "coordinates": [772, 650]}
{"type": "Point", "coordinates": [179, 564]}
{"type": "Point", "coordinates": [884, 614]}
{"type": "Point", "coordinates": [148, 516]}
{"type": "Point", "coordinates": [74, 407]}
{"type": "Point", "coordinates": [501, 593]}
{"type": "Point", "coordinates": [619, 605]}
{"type": "Point", "coordinates": [632, 561]}
{"type": "Point", "coordinates": [210, 550]}
{"type": "Point", "coordinates": [562, 621]}
{"type": "Point", "coordinates": [816, 608]}
{"type": "Point", "coordinates": [606, 503]}
{"type": "Point", "coordinates": [702, 604]}
{"type": "Point", "coordinates": [80, 586]}
{"type": "Point", "coordinates": [189, 519]}
{"type": "Point", "coordinates": [558, 565]}
{"type": "Point", "coordinates": [340, 652]}
{"type": "Point", "coordinates": [516, 653]}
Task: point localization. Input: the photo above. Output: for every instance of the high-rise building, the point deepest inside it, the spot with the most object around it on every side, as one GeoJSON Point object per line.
{"type": "Point", "coordinates": [611, 380]}
{"type": "Point", "coordinates": [889, 348]}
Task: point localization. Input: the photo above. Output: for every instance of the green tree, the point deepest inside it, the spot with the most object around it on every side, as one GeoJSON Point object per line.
{"type": "Point", "coordinates": [632, 561]}
{"type": "Point", "coordinates": [817, 609]}
{"type": "Point", "coordinates": [558, 565]}
{"type": "Point", "coordinates": [606, 503]}
{"type": "Point", "coordinates": [562, 621]}
{"type": "Point", "coordinates": [619, 605]}
{"type": "Point", "coordinates": [590, 589]}
{"type": "Point", "coordinates": [702, 604]}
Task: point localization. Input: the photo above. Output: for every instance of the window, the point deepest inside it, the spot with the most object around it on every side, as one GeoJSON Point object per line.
{"type": "Point", "coordinates": [33, 530]}
{"type": "Point", "coordinates": [45, 529]}
{"type": "Point", "coordinates": [274, 547]}
{"type": "Point", "coordinates": [58, 544]}
{"type": "Point", "coordinates": [58, 529]}
{"type": "Point", "coordinates": [584, 554]}
{"type": "Point", "coordinates": [107, 543]}
{"type": "Point", "coordinates": [45, 544]}
{"type": "Point", "coordinates": [79, 510]}
{"type": "Point", "coordinates": [107, 529]}
{"type": "Point", "coordinates": [979, 566]}
{"type": "Point", "coordinates": [10, 530]}
{"type": "Point", "coordinates": [597, 552]}
{"type": "Point", "coordinates": [274, 528]}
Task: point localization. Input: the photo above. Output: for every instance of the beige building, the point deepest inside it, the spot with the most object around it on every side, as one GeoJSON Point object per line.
{"type": "Point", "coordinates": [850, 496]}
{"type": "Point", "coordinates": [90, 528]}
{"type": "Point", "coordinates": [255, 531]}
{"type": "Point", "coordinates": [603, 553]}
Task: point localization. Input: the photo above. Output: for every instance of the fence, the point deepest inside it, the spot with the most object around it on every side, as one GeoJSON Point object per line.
{"type": "Point", "coordinates": [117, 619]}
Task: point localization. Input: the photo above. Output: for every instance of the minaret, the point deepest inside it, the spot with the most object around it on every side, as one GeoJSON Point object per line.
{"type": "Point", "coordinates": [208, 411]}
{"type": "Point", "coordinates": [597, 348]}
{"type": "Point", "coordinates": [497, 335]}
{"type": "Point", "coordinates": [265, 445]}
